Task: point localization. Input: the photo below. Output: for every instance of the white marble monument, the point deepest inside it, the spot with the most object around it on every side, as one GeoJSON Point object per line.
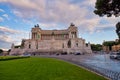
{"type": "Point", "coordinates": [53, 41]}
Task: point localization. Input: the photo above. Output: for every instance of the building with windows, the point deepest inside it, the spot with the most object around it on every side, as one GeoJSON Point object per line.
{"type": "Point", "coordinates": [116, 47]}
{"type": "Point", "coordinates": [111, 46]}
{"type": "Point", "coordinates": [53, 41]}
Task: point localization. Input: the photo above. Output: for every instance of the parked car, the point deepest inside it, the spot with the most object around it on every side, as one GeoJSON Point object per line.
{"type": "Point", "coordinates": [57, 54]}
{"type": "Point", "coordinates": [64, 53]}
{"type": "Point", "coordinates": [78, 53]}
{"type": "Point", "coordinates": [26, 54]}
{"type": "Point", "coordinates": [115, 55]}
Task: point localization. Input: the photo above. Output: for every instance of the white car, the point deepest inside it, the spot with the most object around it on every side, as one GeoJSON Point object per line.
{"type": "Point", "coordinates": [115, 55]}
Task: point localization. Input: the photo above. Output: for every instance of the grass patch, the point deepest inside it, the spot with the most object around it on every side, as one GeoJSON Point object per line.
{"type": "Point", "coordinates": [5, 58]}
{"type": "Point", "coordinates": [43, 69]}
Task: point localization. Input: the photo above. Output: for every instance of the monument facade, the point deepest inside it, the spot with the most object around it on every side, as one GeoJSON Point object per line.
{"type": "Point", "coordinates": [53, 41]}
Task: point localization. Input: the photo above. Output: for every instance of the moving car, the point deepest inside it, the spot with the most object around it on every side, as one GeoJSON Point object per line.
{"type": "Point", "coordinates": [115, 55]}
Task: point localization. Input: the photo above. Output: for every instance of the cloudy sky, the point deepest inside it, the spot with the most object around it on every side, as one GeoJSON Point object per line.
{"type": "Point", "coordinates": [17, 17]}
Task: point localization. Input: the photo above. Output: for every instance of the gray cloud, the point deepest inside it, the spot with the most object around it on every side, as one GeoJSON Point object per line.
{"type": "Point", "coordinates": [5, 34]}
{"type": "Point", "coordinates": [53, 13]}
{"type": "Point", "coordinates": [48, 12]}
{"type": "Point", "coordinates": [7, 37]}
{"type": "Point", "coordinates": [7, 30]}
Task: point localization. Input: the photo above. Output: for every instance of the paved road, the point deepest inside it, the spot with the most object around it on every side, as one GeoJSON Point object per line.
{"type": "Point", "coordinates": [99, 60]}
{"type": "Point", "coordinates": [104, 61]}
{"type": "Point", "coordinates": [99, 63]}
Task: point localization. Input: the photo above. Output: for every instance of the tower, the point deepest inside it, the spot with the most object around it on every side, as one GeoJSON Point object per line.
{"type": "Point", "coordinates": [72, 31]}
{"type": "Point", "coordinates": [36, 32]}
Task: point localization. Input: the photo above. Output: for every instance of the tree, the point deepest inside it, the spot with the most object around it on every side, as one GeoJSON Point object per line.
{"type": "Point", "coordinates": [118, 30]}
{"type": "Point", "coordinates": [1, 51]}
{"type": "Point", "coordinates": [96, 47]}
{"type": "Point", "coordinates": [110, 44]}
{"type": "Point", "coordinates": [9, 50]}
{"type": "Point", "coordinates": [107, 7]}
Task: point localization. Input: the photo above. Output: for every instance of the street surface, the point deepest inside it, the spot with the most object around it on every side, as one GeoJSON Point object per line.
{"type": "Point", "coordinates": [99, 60]}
